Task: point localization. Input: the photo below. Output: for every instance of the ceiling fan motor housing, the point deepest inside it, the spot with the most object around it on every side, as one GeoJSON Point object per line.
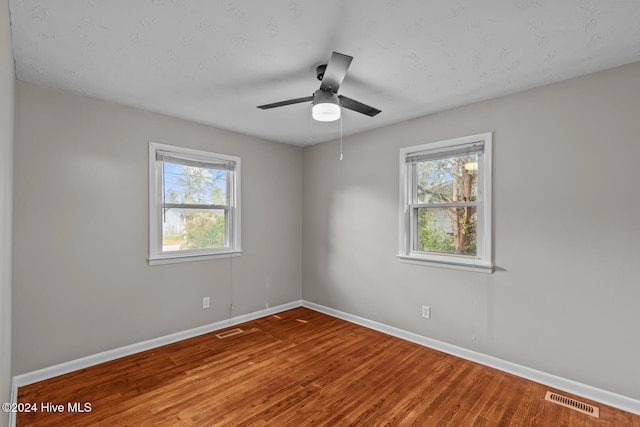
{"type": "Point", "coordinates": [320, 71]}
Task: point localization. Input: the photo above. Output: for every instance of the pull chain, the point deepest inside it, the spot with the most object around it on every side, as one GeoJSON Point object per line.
{"type": "Point", "coordinates": [341, 136]}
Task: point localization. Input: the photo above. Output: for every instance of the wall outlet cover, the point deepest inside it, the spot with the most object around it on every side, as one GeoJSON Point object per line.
{"type": "Point", "coordinates": [426, 312]}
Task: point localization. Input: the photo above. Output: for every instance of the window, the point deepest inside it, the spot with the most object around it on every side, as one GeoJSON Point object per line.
{"type": "Point", "coordinates": [194, 204]}
{"type": "Point", "coordinates": [445, 204]}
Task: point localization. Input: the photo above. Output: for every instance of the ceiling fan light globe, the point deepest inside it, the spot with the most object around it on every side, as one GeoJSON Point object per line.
{"type": "Point", "coordinates": [325, 112]}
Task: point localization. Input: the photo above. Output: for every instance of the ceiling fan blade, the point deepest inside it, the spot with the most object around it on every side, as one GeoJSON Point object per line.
{"type": "Point", "coordinates": [354, 105]}
{"type": "Point", "coordinates": [287, 102]}
{"type": "Point", "coordinates": [335, 72]}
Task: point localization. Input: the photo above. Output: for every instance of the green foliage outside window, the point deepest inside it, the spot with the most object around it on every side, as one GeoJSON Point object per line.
{"type": "Point", "coordinates": [431, 237]}
{"type": "Point", "coordinates": [203, 230]}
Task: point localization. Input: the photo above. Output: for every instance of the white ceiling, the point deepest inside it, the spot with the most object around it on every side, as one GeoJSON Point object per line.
{"type": "Point", "coordinates": [213, 62]}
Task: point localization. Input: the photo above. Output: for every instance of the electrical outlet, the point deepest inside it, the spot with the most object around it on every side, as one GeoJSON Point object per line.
{"type": "Point", "coordinates": [426, 312]}
{"type": "Point", "coordinates": [205, 302]}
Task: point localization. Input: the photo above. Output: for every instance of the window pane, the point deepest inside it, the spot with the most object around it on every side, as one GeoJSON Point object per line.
{"type": "Point", "coordinates": [453, 179]}
{"type": "Point", "coordinates": [447, 230]}
{"type": "Point", "coordinates": [196, 185]}
{"type": "Point", "coordinates": [184, 229]}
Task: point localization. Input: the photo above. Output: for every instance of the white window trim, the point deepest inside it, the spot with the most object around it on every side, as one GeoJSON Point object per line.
{"type": "Point", "coordinates": [483, 262]}
{"type": "Point", "coordinates": [156, 256]}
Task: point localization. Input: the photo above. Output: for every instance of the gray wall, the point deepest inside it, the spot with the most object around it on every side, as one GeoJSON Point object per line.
{"type": "Point", "coordinates": [564, 299]}
{"type": "Point", "coordinates": [7, 87]}
{"type": "Point", "coordinates": [82, 284]}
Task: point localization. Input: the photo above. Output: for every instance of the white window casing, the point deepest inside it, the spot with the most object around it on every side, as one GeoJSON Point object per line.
{"type": "Point", "coordinates": [481, 145]}
{"type": "Point", "coordinates": [231, 165]}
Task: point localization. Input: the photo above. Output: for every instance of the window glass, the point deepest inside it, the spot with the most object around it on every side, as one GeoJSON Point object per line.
{"type": "Point", "coordinates": [191, 184]}
{"type": "Point", "coordinates": [184, 229]}
{"type": "Point", "coordinates": [447, 230]}
{"type": "Point", "coordinates": [447, 180]}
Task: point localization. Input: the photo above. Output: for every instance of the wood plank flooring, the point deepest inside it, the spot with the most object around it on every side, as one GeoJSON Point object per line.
{"type": "Point", "coordinates": [300, 368]}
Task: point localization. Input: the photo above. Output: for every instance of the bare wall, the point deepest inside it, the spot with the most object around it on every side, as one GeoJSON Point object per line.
{"type": "Point", "coordinates": [564, 298]}
{"type": "Point", "coordinates": [82, 281]}
{"type": "Point", "coordinates": [7, 88]}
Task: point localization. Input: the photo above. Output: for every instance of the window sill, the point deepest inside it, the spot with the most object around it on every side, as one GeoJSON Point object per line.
{"type": "Point", "coordinates": [452, 264]}
{"type": "Point", "coordinates": [174, 258]}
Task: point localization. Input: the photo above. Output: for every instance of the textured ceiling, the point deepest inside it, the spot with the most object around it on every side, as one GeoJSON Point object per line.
{"type": "Point", "coordinates": [213, 62]}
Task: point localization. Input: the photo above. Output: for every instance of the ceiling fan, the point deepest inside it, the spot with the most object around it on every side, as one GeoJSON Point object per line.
{"type": "Point", "coordinates": [325, 101]}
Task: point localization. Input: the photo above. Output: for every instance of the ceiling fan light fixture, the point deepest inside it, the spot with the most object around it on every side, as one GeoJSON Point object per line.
{"type": "Point", "coordinates": [325, 112]}
{"type": "Point", "coordinates": [326, 106]}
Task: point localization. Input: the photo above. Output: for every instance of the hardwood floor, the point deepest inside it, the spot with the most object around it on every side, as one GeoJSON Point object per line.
{"type": "Point", "coordinates": [299, 368]}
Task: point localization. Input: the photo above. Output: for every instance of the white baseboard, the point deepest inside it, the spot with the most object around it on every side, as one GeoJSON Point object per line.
{"type": "Point", "coordinates": [606, 397]}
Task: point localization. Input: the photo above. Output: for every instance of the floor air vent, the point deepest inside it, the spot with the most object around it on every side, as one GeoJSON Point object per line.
{"type": "Point", "coordinates": [229, 333]}
{"type": "Point", "coordinates": [573, 404]}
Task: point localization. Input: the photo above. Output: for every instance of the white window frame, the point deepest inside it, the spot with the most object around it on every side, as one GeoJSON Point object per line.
{"type": "Point", "coordinates": [232, 229]}
{"type": "Point", "coordinates": [483, 260]}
